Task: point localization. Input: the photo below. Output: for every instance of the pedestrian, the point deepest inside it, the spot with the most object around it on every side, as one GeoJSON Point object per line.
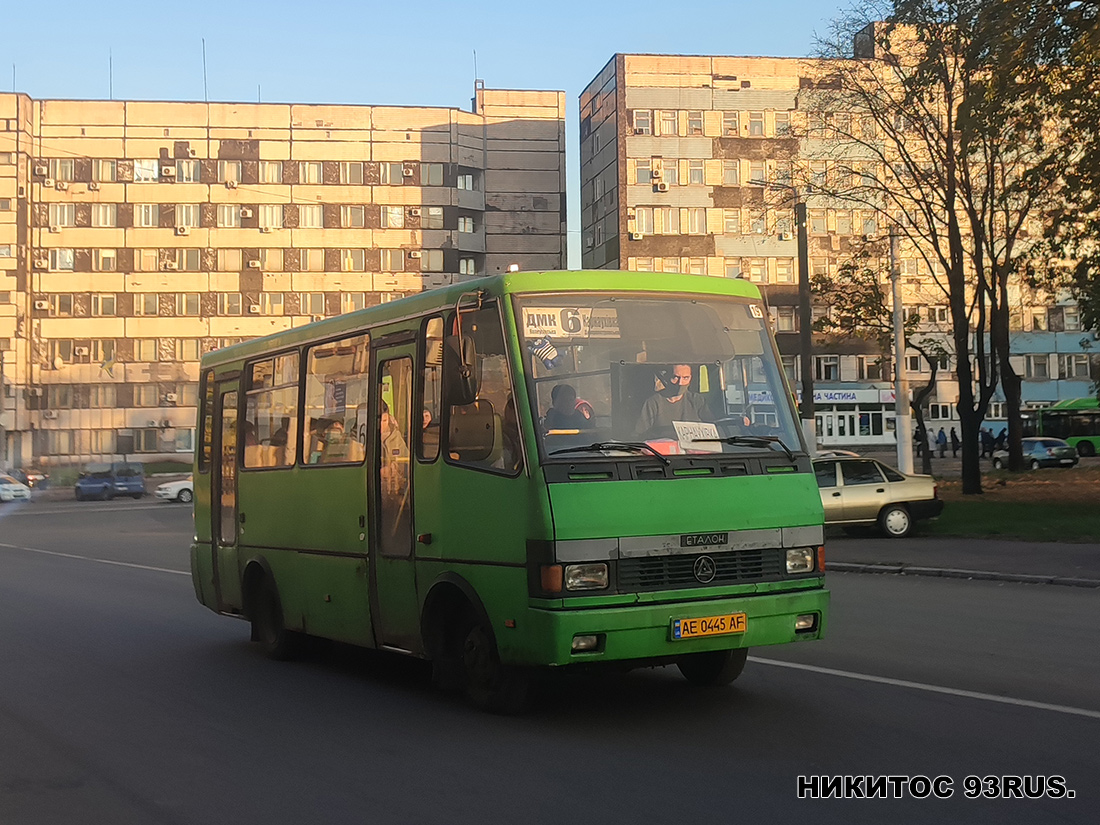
{"type": "Point", "coordinates": [931, 442]}
{"type": "Point", "coordinates": [941, 441]}
{"type": "Point", "coordinates": [954, 443]}
{"type": "Point", "coordinates": [1002, 440]}
{"type": "Point", "coordinates": [918, 442]}
{"type": "Point", "coordinates": [987, 442]}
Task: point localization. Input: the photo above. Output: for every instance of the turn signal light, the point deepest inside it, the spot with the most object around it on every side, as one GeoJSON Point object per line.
{"type": "Point", "coordinates": [821, 559]}
{"type": "Point", "coordinates": [551, 578]}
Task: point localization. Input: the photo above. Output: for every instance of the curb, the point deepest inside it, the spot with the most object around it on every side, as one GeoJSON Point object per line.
{"type": "Point", "coordinates": [951, 573]}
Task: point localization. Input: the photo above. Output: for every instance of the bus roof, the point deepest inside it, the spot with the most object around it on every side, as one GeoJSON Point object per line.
{"type": "Point", "coordinates": [1075, 404]}
{"type": "Point", "coordinates": [506, 283]}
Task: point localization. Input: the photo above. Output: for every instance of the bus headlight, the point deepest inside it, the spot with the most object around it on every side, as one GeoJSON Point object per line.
{"type": "Point", "coordinates": [586, 576]}
{"type": "Point", "coordinates": [800, 560]}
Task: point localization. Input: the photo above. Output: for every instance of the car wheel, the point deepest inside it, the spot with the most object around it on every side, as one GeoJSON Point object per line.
{"type": "Point", "coordinates": [895, 522]}
{"type": "Point", "coordinates": [491, 685]}
{"type": "Point", "coordinates": [1035, 464]}
{"type": "Point", "coordinates": [185, 497]}
{"type": "Point", "coordinates": [268, 629]}
{"type": "Point", "coordinates": [998, 464]}
{"type": "Point", "coordinates": [715, 668]}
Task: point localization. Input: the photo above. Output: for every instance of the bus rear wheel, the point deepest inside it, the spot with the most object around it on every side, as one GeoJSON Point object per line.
{"type": "Point", "coordinates": [715, 668]}
{"type": "Point", "coordinates": [1086, 448]}
{"type": "Point", "coordinates": [266, 615]}
{"type": "Point", "coordinates": [491, 685]}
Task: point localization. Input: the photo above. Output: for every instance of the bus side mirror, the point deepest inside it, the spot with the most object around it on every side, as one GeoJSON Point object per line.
{"type": "Point", "coordinates": [460, 370]}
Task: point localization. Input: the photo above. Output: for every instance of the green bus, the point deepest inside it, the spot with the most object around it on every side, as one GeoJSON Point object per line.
{"type": "Point", "coordinates": [524, 471]}
{"type": "Point", "coordinates": [1075, 420]}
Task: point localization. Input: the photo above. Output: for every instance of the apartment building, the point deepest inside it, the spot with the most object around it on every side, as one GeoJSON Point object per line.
{"type": "Point", "coordinates": [672, 150]}
{"type": "Point", "coordinates": [135, 236]}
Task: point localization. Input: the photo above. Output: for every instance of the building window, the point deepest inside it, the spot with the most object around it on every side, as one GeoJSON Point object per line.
{"type": "Point", "coordinates": [695, 172]}
{"type": "Point", "coordinates": [103, 304]}
{"type": "Point", "coordinates": [353, 217]}
{"type": "Point", "coordinates": [146, 171]}
{"type": "Point", "coordinates": [786, 319]}
{"type": "Point", "coordinates": [187, 171]}
{"type": "Point", "coordinates": [311, 216]}
{"type": "Point", "coordinates": [353, 260]}
{"type": "Point", "coordinates": [62, 214]}
{"type": "Point", "coordinates": [670, 264]}
{"type": "Point", "coordinates": [643, 122]}
{"type": "Point", "coordinates": [187, 303]}
{"type": "Point", "coordinates": [465, 224]}
{"type": "Point", "coordinates": [189, 260]}
{"type": "Point", "coordinates": [187, 349]}
{"type": "Point", "coordinates": [756, 124]}
{"type": "Point", "coordinates": [393, 260]}
{"type": "Point", "coordinates": [61, 260]}
{"type": "Point", "coordinates": [187, 214]}
{"type": "Point", "coordinates": [731, 173]}
{"type": "Point", "coordinates": [311, 260]}
{"type": "Point", "coordinates": [732, 267]}
{"type": "Point", "coordinates": [697, 266]}
{"type": "Point", "coordinates": [643, 264]}
{"type": "Point", "coordinates": [643, 220]}
{"type": "Point", "coordinates": [62, 168]}
{"type": "Point", "coordinates": [1073, 366]}
{"type": "Point", "coordinates": [271, 215]}
{"type": "Point", "coordinates": [271, 171]}
{"type": "Point", "coordinates": [758, 172]}
{"type": "Point", "coordinates": [758, 270]}
{"type": "Point", "coordinates": [827, 367]}
{"type": "Point", "coordinates": [466, 182]}
{"type": "Point", "coordinates": [431, 217]}
{"type": "Point", "coordinates": [843, 222]}
{"type": "Point", "coordinates": [104, 260]}
{"type": "Point", "coordinates": [431, 174]}
{"type": "Point", "coordinates": [668, 220]}
{"type": "Point", "coordinates": [61, 305]}
{"type": "Point", "coordinates": [312, 303]}
{"type": "Point", "coordinates": [695, 122]}
{"type": "Point", "coordinates": [309, 171]}
{"type": "Point", "coordinates": [104, 214]}
{"type": "Point", "coordinates": [731, 124]}
{"type": "Point", "coordinates": [696, 221]}
{"type": "Point", "coordinates": [784, 270]}
{"type": "Point", "coordinates": [146, 303]}
{"type": "Point", "coordinates": [669, 122]}
{"type": "Point", "coordinates": [230, 260]}
{"type": "Point", "coordinates": [229, 216]}
{"type": "Point", "coordinates": [392, 174]}
{"type": "Point", "coordinates": [782, 124]}
{"type": "Point", "coordinates": [271, 303]}
{"type": "Point", "coordinates": [271, 260]}
{"type": "Point", "coordinates": [146, 215]}
{"type": "Point", "coordinates": [643, 170]}
{"type": "Point", "coordinates": [229, 303]}
{"type": "Point", "coordinates": [145, 351]}
{"type": "Point", "coordinates": [817, 222]}
{"type": "Point", "coordinates": [229, 171]}
{"type": "Point", "coordinates": [351, 172]}
{"type": "Point", "coordinates": [758, 221]}
{"type": "Point", "coordinates": [393, 217]}
{"type": "Point", "coordinates": [431, 260]}
{"type": "Point", "coordinates": [352, 301]}
{"type": "Point", "coordinates": [1071, 319]}
{"type": "Point", "coordinates": [104, 171]}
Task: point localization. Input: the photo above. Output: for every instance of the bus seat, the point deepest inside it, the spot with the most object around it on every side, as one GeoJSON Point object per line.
{"type": "Point", "coordinates": [473, 431]}
{"type": "Point", "coordinates": [498, 439]}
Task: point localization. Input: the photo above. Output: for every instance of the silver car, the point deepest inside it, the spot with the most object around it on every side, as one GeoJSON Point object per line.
{"type": "Point", "coordinates": [862, 491]}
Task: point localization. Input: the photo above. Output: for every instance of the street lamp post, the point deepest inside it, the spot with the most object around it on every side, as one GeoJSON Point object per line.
{"type": "Point", "coordinates": [805, 327]}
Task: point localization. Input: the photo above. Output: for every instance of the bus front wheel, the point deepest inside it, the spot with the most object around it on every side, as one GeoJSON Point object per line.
{"type": "Point", "coordinates": [491, 685]}
{"type": "Point", "coordinates": [715, 668]}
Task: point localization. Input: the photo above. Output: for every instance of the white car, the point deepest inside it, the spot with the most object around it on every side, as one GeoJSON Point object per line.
{"type": "Point", "coordinates": [13, 490]}
{"type": "Point", "coordinates": [182, 490]}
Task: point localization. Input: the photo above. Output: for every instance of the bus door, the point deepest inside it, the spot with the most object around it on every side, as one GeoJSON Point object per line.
{"type": "Point", "coordinates": [394, 608]}
{"type": "Point", "coordinates": [223, 497]}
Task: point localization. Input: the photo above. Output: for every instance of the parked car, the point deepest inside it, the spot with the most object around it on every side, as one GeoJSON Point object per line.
{"type": "Point", "coordinates": [182, 491]}
{"type": "Point", "coordinates": [1041, 452]}
{"type": "Point", "coordinates": [105, 481]}
{"type": "Point", "coordinates": [862, 491]}
{"type": "Point", "coordinates": [12, 489]}
{"type": "Point", "coordinates": [831, 453]}
{"type": "Point", "coordinates": [32, 477]}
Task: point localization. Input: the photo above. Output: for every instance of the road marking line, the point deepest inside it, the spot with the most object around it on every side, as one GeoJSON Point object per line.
{"type": "Point", "coordinates": [968, 694]}
{"type": "Point", "coordinates": [77, 508]}
{"type": "Point", "coordinates": [98, 561]}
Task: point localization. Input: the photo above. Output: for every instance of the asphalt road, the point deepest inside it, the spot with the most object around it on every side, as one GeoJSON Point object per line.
{"type": "Point", "coordinates": [124, 701]}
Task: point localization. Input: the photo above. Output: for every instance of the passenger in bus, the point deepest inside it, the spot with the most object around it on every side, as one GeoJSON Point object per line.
{"type": "Point", "coordinates": [278, 442]}
{"type": "Point", "coordinates": [564, 413]}
{"type": "Point", "coordinates": [673, 401]}
{"type": "Point", "coordinates": [339, 446]}
{"type": "Point", "coordinates": [394, 451]}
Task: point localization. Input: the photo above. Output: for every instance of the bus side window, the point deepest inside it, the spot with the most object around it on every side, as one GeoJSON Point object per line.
{"type": "Point", "coordinates": [431, 389]}
{"type": "Point", "coordinates": [336, 415]}
{"type": "Point", "coordinates": [495, 404]}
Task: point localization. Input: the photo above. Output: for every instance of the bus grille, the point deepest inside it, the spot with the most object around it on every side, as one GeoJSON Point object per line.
{"type": "Point", "coordinates": [670, 572]}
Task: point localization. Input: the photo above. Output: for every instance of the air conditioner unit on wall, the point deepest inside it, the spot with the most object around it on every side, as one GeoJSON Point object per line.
{"type": "Point", "coordinates": [415, 253]}
{"type": "Point", "coordinates": [41, 263]}
{"type": "Point", "coordinates": [636, 236]}
{"type": "Point", "coordinates": [253, 264]}
{"type": "Point", "coordinates": [407, 172]}
{"type": "Point", "coordinates": [93, 187]}
{"type": "Point", "coordinates": [168, 171]}
{"type": "Point", "coordinates": [191, 153]}
{"type": "Point", "coordinates": [48, 182]}
{"type": "Point", "coordinates": [41, 304]}
{"type": "Point", "coordinates": [254, 309]}
{"type": "Point", "coordinates": [246, 212]}
{"type": "Point", "coordinates": [55, 229]}
{"type": "Point", "coordinates": [183, 230]}
{"type": "Point", "coordinates": [785, 236]}
{"type": "Point", "coordinates": [230, 184]}
{"type": "Point", "coordinates": [42, 170]}
{"type": "Point", "coordinates": [51, 414]}
{"type": "Point", "coordinates": [171, 397]}
{"type": "Point", "coordinates": [661, 187]}
{"type": "Point", "coordinates": [81, 351]}
{"type": "Point", "coordinates": [171, 265]}
{"type": "Point", "coordinates": [414, 212]}
{"type": "Point", "coordinates": [266, 230]}
{"type": "Point", "coordinates": [61, 185]}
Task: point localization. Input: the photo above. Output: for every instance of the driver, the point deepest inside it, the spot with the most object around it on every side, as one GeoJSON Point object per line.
{"type": "Point", "coordinates": [673, 402]}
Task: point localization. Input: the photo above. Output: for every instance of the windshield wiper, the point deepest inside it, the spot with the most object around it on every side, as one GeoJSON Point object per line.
{"type": "Point", "coordinates": [625, 446]}
{"type": "Point", "coordinates": [753, 441]}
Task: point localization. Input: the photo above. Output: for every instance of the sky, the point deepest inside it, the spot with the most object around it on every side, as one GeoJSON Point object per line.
{"type": "Point", "coordinates": [376, 53]}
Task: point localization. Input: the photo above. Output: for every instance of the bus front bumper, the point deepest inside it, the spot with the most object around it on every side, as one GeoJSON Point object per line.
{"type": "Point", "coordinates": [647, 632]}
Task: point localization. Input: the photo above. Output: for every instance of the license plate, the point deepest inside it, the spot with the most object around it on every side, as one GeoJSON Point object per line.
{"type": "Point", "coordinates": [1067, 460]}
{"type": "Point", "coordinates": [709, 626]}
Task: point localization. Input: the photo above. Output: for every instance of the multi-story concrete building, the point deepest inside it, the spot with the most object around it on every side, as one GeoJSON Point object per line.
{"type": "Point", "coordinates": [135, 236]}
{"type": "Point", "coordinates": [670, 150]}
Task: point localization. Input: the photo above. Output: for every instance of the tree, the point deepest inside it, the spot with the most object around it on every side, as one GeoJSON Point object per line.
{"type": "Point", "coordinates": [856, 298]}
{"type": "Point", "coordinates": [914, 134]}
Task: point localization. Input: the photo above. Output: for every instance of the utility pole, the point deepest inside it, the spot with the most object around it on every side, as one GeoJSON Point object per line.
{"type": "Point", "coordinates": [805, 328]}
{"type": "Point", "coordinates": [3, 411]}
{"type": "Point", "coordinates": [903, 422]}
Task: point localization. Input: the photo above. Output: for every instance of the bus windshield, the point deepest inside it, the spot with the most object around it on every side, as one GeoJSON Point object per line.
{"type": "Point", "coordinates": [680, 374]}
